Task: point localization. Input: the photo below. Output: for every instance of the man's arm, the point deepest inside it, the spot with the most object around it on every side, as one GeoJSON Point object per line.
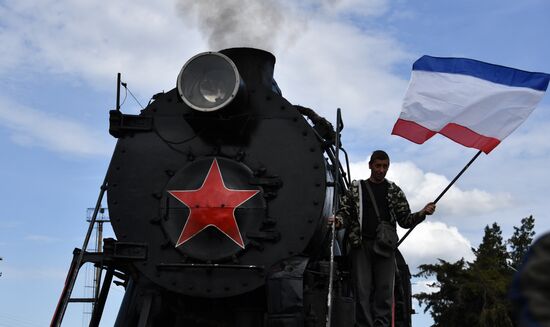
{"type": "Point", "coordinates": [400, 208]}
{"type": "Point", "coordinates": [348, 215]}
{"type": "Point", "coordinates": [346, 212]}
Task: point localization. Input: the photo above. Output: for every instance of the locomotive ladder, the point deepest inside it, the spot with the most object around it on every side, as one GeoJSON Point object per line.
{"type": "Point", "coordinates": [80, 256]}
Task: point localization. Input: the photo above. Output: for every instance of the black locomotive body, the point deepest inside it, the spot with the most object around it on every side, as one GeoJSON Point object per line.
{"type": "Point", "coordinates": [219, 193]}
{"type": "Point", "coordinates": [229, 200]}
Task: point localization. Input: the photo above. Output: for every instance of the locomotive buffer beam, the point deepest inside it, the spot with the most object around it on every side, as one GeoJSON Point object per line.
{"type": "Point", "coordinates": [207, 266]}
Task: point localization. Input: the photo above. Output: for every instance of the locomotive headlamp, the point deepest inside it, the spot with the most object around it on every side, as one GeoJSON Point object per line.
{"type": "Point", "coordinates": [209, 81]}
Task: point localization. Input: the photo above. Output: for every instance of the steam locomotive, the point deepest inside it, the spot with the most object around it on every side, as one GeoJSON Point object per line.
{"type": "Point", "coordinates": [219, 193]}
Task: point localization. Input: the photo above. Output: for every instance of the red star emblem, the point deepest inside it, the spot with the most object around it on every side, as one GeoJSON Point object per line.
{"type": "Point", "coordinates": [213, 204]}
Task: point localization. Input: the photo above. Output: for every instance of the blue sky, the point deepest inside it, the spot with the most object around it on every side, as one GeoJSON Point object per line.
{"type": "Point", "coordinates": [58, 66]}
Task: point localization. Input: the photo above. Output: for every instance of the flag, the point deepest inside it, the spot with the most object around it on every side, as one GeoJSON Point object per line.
{"type": "Point", "coordinates": [473, 103]}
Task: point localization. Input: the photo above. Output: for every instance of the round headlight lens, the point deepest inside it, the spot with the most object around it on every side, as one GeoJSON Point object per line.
{"type": "Point", "coordinates": [208, 81]}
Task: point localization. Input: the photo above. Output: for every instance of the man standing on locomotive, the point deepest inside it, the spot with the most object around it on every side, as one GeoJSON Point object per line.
{"type": "Point", "coordinates": [367, 206]}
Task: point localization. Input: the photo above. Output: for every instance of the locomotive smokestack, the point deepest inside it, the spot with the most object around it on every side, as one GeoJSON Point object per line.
{"type": "Point", "coordinates": [255, 66]}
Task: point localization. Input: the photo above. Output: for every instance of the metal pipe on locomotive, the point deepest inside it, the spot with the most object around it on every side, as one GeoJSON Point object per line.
{"type": "Point", "coordinates": [219, 193]}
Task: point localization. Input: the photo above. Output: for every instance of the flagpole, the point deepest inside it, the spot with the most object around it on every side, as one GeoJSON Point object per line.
{"type": "Point", "coordinates": [442, 193]}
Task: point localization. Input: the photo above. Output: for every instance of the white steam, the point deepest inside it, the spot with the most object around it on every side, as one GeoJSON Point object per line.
{"type": "Point", "coordinates": [242, 23]}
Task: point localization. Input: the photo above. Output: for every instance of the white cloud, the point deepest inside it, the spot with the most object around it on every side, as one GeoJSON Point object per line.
{"type": "Point", "coordinates": [337, 65]}
{"type": "Point", "coordinates": [41, 238]}
{"type": "Point", "coordinates": [531, 138]}
{"type": "Point", "coordinates": [360, 8]}
{"type": "Point", "coordinates": [94, 40]}
{"type": "Point", "coordinates": [434, 240]}
{"type": "Point", "coordinates": [422, 187]}
{"type": "Point", "coordinates": [30, 127]}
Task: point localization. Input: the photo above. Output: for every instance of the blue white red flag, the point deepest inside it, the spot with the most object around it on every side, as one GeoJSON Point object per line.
{"type": "Point", "coordinates": [474, 103]}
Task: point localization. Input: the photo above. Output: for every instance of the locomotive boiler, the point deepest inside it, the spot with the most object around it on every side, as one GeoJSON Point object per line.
{"type": "Point", "coordinates": [219, 193]}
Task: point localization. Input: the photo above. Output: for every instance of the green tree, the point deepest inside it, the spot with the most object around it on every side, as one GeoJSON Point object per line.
{"type": "Point", "coordinates": [475, 293]}
{"type": "Point", "coordinates": [520, 240]}
{"type": "Point", "coordinates": [444, 304]}
{"type": "Point", "coordinates": [491, 277]}
{"type": "Point", "coordinates": [491, 253]}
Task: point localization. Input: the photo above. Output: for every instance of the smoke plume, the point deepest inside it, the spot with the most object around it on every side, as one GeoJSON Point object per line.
{"type": "Point", "coordinates": [241, 23]}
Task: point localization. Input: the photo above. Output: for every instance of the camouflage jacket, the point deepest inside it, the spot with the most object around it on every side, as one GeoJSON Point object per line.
{"type": "Point", "coordinates": [351, 211]}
